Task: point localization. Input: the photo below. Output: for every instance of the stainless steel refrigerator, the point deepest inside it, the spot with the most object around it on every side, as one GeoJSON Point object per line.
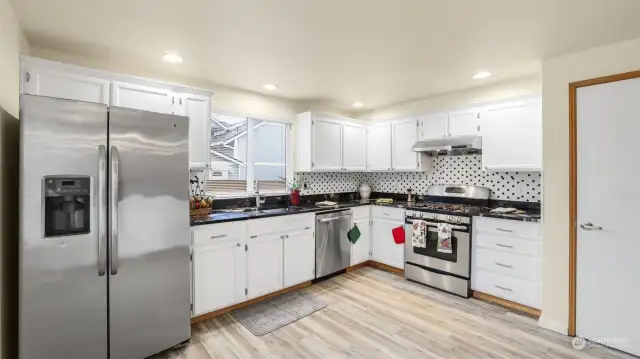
{"type": "Point", "coordinates": [104, 231]}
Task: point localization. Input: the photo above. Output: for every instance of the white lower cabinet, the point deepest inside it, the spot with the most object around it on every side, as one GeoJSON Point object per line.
{"type": "Point", "coordinates": [299, 257]}
{"type": "Point", "coordinates": [361, 250]}
{"type": "Point", "coordinates": [507, 258]}
{"type": "Point", "coordinates": [264, 265]}
{"type": "Point", "coordinates": [219, 267]}
{"type": "Point", "coordinates": [383, 248]}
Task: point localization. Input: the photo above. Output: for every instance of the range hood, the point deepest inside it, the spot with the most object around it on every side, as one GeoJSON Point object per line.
{"type": "Point", "coordinates": [451, 146]}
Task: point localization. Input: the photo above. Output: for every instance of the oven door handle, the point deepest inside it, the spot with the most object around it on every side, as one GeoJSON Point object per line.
{"type": "Point", "coordinates": [453, 226]}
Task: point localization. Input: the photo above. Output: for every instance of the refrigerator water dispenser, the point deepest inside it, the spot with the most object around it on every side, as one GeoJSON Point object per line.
{"type": "Point", "coordinates": [67, 206]}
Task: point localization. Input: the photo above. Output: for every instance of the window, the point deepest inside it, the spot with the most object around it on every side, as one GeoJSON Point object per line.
{"type": "Point", "coordinates": [244, 150]}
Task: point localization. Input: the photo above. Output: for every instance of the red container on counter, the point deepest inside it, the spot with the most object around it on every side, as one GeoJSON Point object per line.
{"type": "Point", "coordinates": [295, 197]}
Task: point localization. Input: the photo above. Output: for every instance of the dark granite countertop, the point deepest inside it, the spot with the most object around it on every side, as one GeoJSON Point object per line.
{"type": "Point", "coordinates": [221, 216]}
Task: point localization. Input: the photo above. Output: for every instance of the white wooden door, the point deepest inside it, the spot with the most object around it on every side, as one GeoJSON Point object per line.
{"type": "Point", "coordinates": [379, 147]}
{"type": "Point", "coordinates": [143, 98]}
{"type": "Point", "coordinates": [360, 252]}
{"type": "Point", "coordinates": [607, 257]}
{"type": "Point", "coordinates": [264, 265]}
{"type": "Point", "coordinates": [405, 135]}
{"type": "Point", "coordinates": [383, 248]}
{"type": "Point", "coordinates": [60, 84]}
{"type": "Point", "coordinates": [464, 122]}
{"type": "Point", "coordinates": [354, 144]}
{"type": "Point", "coordinates": [327, 144]}
{"type": "Point", "coordinates": [434, 126]}
{"type": "Point", "coordinates": [299, 257]}
{"type": "Point", "coordinates": [197, 109]}
{"type": "Point", "coordinates": [512, 135]}
{"type": "Point", "coordinates": [219, 275]}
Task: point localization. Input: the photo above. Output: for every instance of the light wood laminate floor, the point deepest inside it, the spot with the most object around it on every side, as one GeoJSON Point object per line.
{"type": "Point", "coordinates": [374, 314]}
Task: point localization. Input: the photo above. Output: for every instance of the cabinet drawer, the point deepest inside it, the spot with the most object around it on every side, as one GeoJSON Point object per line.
{"type": "Point", "coordinates": [513, 265]}
{"type": "Point", "coordinates": [506, 244]}
{"type": "Point", "coordinates": [280, 224]}
{"type": "Point", "coordinates": [506, 227]}
{"type": "Point", "coordinates": [218, 232]}
{"type": "Point", "coordinates": [509, 288]}
{"type": "Point", "coordinates": [389, 213]}
{"type": "Point", "coordinates": [361, 212]}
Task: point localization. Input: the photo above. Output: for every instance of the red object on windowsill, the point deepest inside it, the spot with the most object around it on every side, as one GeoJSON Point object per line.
{"type": "Point", "coordinates": [295, 197]}
{"type": "Point", "coordinates": [398, 235]}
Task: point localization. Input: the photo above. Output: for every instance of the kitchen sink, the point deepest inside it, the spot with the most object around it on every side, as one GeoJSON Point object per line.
{"type": "Point", "coordinates": [239, 210]}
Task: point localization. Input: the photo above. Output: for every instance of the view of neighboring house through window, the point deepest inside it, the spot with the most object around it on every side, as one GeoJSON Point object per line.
{"type": "Point", "coordinates": [244, 150]}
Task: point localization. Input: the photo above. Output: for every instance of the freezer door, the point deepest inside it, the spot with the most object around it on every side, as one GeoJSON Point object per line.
{"type": "Point", "coordinates": [149, 265]}
{"type": "Point", "coordinates": [63, 286]}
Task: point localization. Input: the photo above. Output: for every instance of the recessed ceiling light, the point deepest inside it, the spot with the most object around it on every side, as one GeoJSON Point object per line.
{"type": "Point", "coordinates": [482, 75]}
{"type": "Point", "coordinates": [270, 87]}
{"type": "Point", "coordinates": [357, 104]}
{"type": "Point", "coordinates": [172, 58]}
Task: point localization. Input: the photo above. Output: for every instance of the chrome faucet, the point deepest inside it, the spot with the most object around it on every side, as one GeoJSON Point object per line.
{"type": "Point", "coordinates": [256, 187]}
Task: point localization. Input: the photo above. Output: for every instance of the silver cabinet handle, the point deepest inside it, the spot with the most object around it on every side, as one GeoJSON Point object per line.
{"type": "Point", "coordinates": [115, 175]}
{"type": "Point", "coordinates": [588, 226]}
{"type": "Point", "coordinates": [286, 236]}
{"type": "Point", "coordinates": [504, 265]}
{"type": "Point", "coordinates": [504, 230]}
{"type": "Point", "coordinates": [305, 228]}
{"type": "Point", "coordinates": [282, 236]}
{"type": "Point", "coordinates": [102, 214]}
{"type": "Point", "coordinates": [504, 246]}
{"type": "Point", "coordinates": [254, 236]}
{"type": "Point", "coordinates": [238, 244]}
{"type": "Point", "coordinates": [218, 236]}
{"type": "Point", "coordinates": [386, 214]}
{"type": "Point", "coordinates": [505, 289]}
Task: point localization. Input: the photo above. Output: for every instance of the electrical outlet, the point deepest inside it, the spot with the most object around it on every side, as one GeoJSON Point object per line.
{"type": "Point", "coordinates": [305, 185]}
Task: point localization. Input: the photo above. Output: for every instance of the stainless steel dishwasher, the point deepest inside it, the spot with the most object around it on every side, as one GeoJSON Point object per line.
{"type": "Point", "coordinates": [333, 249]}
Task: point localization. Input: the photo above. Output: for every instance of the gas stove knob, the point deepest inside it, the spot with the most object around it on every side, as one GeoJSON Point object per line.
{"type": "Point", "coordinates": [450, 218]}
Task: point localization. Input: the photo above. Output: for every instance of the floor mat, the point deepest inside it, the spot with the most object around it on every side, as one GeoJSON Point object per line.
{"type": "Point", "coordinates": [274, 313]}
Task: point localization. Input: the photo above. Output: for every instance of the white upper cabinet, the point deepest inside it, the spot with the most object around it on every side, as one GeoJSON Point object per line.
{"type": "Point", "coordinates": [63, 84]}
{"type": "Point", "coordinates": [434, 126]}
{"type": "Point", "coordinates": [464, 122]}
{"type": "Point", "coordinates": [405, 135]}
{"type": "Point", "coordinates": [327, 144]}
{"type": "Point", "coordinates": [512, 135]}
{"type": "Point", "coordinates": [143, 98]}
{"type": "Point", "coordinates": [379, 147]}
{"type": "Point", "coordinates": [354, 147]}
{"type": "Point", "coordinates": [197, 109]}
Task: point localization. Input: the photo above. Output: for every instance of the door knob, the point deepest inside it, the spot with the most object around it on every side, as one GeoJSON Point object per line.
{"type": "Point", "coordinates": [588, 226]}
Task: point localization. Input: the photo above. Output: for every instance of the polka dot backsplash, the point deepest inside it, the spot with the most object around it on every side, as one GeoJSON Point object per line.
{"type": "Point", "coordinates": [512, 186]}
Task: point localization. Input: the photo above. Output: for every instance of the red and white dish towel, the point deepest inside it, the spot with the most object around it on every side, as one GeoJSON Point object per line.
{"type": "Point", "coordinates": [419, 234]}
{"type": "Point", "coordinates": [444, 238]}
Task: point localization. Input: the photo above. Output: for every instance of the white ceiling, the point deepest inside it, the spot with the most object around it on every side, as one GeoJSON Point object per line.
{"type": "Point", "coordinates": [340, 51]}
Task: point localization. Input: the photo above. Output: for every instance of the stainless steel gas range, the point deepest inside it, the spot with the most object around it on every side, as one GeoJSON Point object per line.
{"type": "Point", "coordinates": [452, 204]}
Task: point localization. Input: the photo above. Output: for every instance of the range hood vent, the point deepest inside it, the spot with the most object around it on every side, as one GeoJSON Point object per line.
{"type": "Point", "coordinates": [450, 146]}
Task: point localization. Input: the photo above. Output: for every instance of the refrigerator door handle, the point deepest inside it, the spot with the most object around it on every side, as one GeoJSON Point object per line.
{"type": "Point", "coordinates": [115, 168]}
{"type": "Point", "coordinates": [102, 213]}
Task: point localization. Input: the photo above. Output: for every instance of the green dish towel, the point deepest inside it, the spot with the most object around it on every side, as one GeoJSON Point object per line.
{"type": "Point", "coordinates": [354, 234]}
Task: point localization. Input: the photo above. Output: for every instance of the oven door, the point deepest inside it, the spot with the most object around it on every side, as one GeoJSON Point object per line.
{"type": "Point", "coordinates": [457, 263]}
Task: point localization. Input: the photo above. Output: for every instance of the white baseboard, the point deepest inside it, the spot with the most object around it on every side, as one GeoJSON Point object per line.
{"type": "Point", "coordinates": [552, 325]}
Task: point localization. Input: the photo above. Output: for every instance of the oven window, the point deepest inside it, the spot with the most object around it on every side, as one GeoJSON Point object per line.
{"type": "Point", "coordinates": [431, 249]}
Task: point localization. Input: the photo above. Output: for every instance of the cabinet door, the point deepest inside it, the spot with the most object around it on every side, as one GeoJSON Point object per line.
{"type": "Point", "coordinates": [360, 252]}
{"type": "Point", "coordinates": [405, 135]}
{"type": "Point", "coordinates": [434, 126]}
{"type": "Point", "coordinates": [379, 147]}
{"type": "Point", "coordinates": [383, 248]}
{"type": "Point", "coordinates": [512, 135]}
{"type": "Point", "coordinates": [60, 84]}
{"type": "Point", "coordinates": [218, 275]}
{"type": "Point", "coordinates": [464, 122]}
{"type": "Point", "coordinates": [143, 98]}
{"type": "Point", "coordinates": [197, 109]}
{"type": "Point", "coordinates": [264, 265]}
{"type": "Point", "coordinates": [327, 144]}
{"type": "Point", "coordinates": [299, 257]}
{"type": "Point", "coordinates": [354, 144]}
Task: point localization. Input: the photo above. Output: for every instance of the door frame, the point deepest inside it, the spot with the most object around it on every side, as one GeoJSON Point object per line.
{"type": "Point", "coordinates": [573, 182]}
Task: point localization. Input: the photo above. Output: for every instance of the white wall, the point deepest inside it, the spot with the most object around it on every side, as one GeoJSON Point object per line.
{"type": "Point", "coordinates": [520, 87]}
{"type": "Point", "coordinates": [12, 44]}
{"type": "Point", "coordinates": [557, 73]}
